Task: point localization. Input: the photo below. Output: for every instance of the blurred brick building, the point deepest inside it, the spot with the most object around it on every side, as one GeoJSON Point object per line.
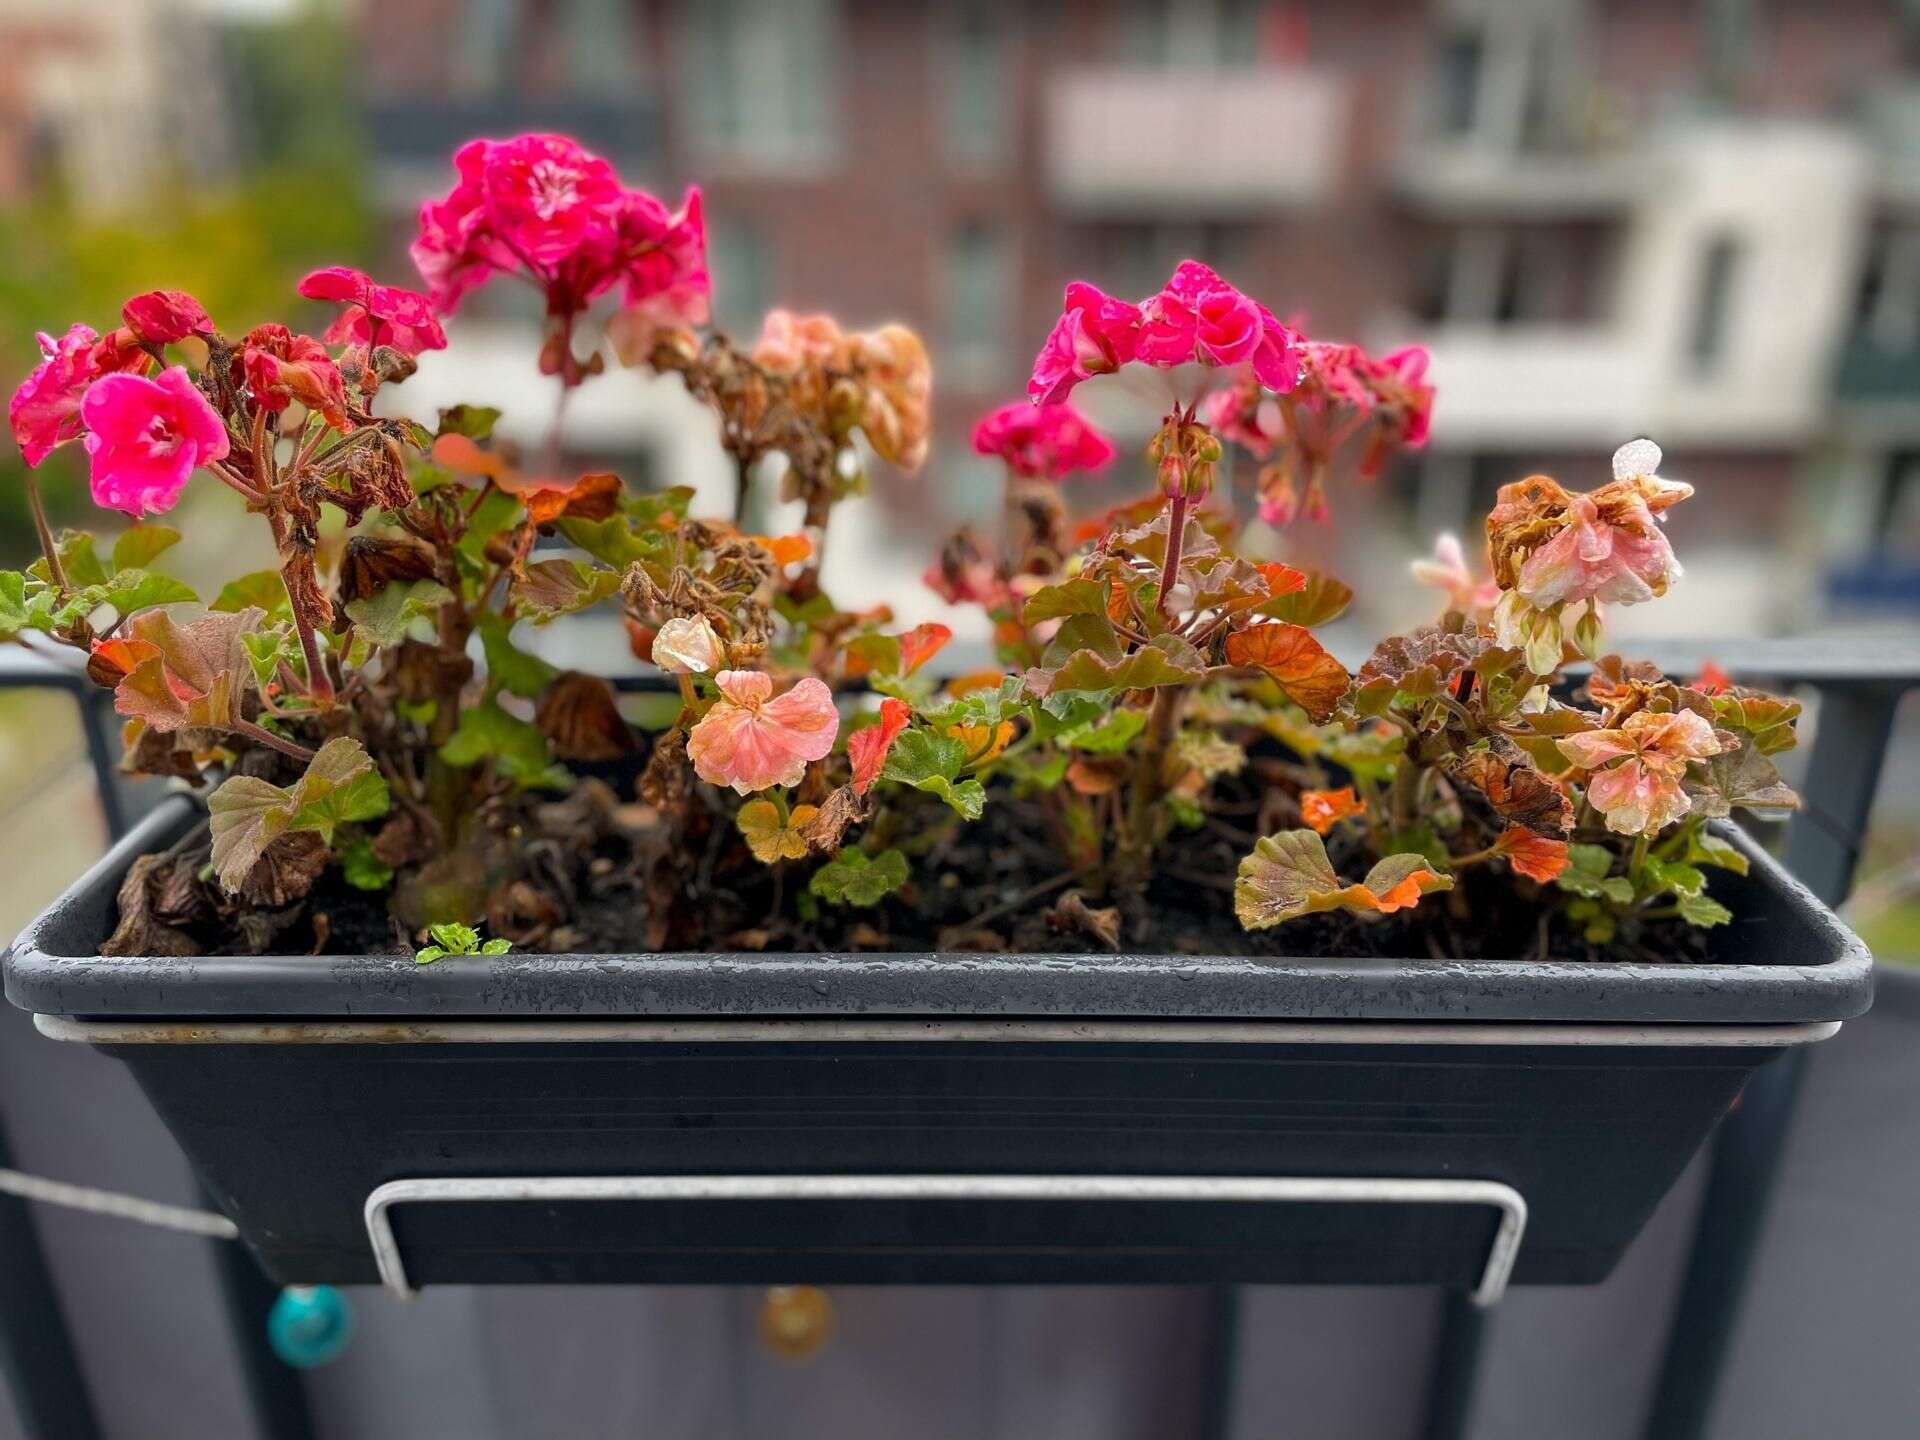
{"type": "Point", "coordinates": [1699, 221]}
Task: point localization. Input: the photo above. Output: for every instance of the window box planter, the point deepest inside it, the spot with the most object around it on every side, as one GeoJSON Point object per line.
{"type": "Point", "coordinates": [948, 1119]}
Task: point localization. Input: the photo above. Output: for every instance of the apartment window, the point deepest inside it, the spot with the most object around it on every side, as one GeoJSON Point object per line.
{"type": "Point", "coordinates": [977, 288]}
{"type": "Point", "coordinates": [738, 257]}
{"type": "Point", "coordinates": [487, 42]}
{"type": "Point", "coordinates": [1887, 310]}
{"type": "Point", "coordinates": [974, 59]}
{"type": "Point", "coordinates": [761, 86]}
{"type": "Point", "coordinates": [1559, 274]}
{"type": "Point", "coordinates": [1193, 34]}
{"type": "Point", "coordinates": [600, 47]}
{"type": "Point", "coordinates": [1713, 303]}
{"type": "Point", "coordinates": [1506, 74]}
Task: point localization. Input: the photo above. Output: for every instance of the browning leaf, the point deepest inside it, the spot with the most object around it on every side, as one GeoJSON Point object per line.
{"type": "Point", "coordinates": [141, 932]}
{"type": "Point", "coordinates": [370, 563]}
{"type": "Point", "coordinates": [582, 721]}
{"type": "Point", "coordinates": [1071, 915]}
{"type": "Point", "coordinates": [1295, 661]}
{"type": "Point", "coordinates": [285, 871]}
{"type": "Point", "coordinates": [1507, 779]}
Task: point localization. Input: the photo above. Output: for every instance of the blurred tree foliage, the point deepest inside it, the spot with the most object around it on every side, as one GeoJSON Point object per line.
{"type": "Point", "coordinates": [295, 200]}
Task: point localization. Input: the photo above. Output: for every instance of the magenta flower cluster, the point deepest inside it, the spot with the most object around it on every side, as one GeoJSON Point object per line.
{"type": "Point", "coordinates": [1042, 442]}
{"type": "Point", "coordinates": [1197, 318]}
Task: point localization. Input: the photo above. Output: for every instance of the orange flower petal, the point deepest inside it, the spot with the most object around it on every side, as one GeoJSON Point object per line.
{"type": "Point", "coordinates": [1322, 809]}
{"type": "Point", "coordinates": [1531, 855]}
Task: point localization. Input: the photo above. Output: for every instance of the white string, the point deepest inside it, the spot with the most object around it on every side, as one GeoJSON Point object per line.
{"type": "Point", "coordinates": [111, 1202]}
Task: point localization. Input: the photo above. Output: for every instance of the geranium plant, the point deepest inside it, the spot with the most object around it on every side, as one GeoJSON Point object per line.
{"type": "Point", "coordinates": [1163, 757]}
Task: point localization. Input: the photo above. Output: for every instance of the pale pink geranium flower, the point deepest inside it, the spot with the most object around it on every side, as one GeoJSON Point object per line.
{"type": "Point", "coordinates": [1636, 769]}
{"type": "Point", "coordinates": [1095, 335]}
{"type": "Point", "coordinates": [1042, 442]}
{"type": "Point", "coordinates": [376, 314]}
{"type": "Point", "coordinates": [1448, 571]}
{"type": "Point", "coordinates": [1609, 545]}
{"type": "Point", "coordinates": [752, 741]}
{"type": "Point", "coordinates": [789, 343]}
{"type": "Point", "coordinates": [145, 438]}
{"type": "Point", "coordinates": [688, 646]}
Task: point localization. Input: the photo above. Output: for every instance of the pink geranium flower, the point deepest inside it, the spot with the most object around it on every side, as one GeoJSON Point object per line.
{"type": "Point", "coordinates": [546, 197]}
{"type": "Point", "coordinates": [280, 368]}
{"type": "Point", "coordinates": [1042, 442]}
{"type": "Point", "coordinates": [45, 410]}
{"type": "Point", "coordinates": [145, 438]}
{"type": "Point", "coordinates": [752, 741]}
{"type": "Point", "coordinates": [544, 207]}
{"type": "Point", "coordinates": [162, 317]}
{"type": "Point", "coordinates": [1401, 389]}
{"type": "Point", "coordinates": [1095, 335]}
{"type": "Point", "coordinates": [376, 314]}
{"type": "Point", "coordinates": [1637, 768]}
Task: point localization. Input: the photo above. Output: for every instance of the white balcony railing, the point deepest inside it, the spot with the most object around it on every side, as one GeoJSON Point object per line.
{"type": "Point", "coordinates": [1161, 142]}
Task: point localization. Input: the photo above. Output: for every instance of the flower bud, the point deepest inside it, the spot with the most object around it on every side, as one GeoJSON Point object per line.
{"type": "Point", "coordinates": [688, 647]}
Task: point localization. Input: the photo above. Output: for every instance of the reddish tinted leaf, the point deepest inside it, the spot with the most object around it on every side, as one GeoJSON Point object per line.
{"type": "Point", "coordinates": [1295, 661]}
{"type": "Point", "coordinates": [867, 748]}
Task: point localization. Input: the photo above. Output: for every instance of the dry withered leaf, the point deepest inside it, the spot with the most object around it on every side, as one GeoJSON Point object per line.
{"type": "Point", "coordinates": [1519, 792]}
{"type": "Point", "coordinates": [404, 840]}
{"type": "Point", "coordinates": [141, 932]}
{"type": "Point", "coordinates": [285, 871]}
{"type": "Point", "coordinates": [1071, 915]}
{"type": "Point", "coordinates": [523, 912]}
{"type": "Point", "coordinates": [370, 563]}
{"type": "Point", "coordinates": [972, 939]}
{"type": "Point", "coordinates": [581, 719]}
{"type": "Point", "coordinates": [668, 778]}
{"type": "Point", "coordinates": [837, 813]}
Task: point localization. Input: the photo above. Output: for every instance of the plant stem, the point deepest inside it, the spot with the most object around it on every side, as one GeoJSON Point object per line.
{"type": "Point", "coordinates": [1177, 504]}
{"type": "Point", "coordinates": [268, 738]}
{"type": "Point", "coordinates": [47, 547]}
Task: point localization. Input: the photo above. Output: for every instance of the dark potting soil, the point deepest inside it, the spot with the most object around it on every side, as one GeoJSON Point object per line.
{"type": "Point", "coordinates": [999, 884]}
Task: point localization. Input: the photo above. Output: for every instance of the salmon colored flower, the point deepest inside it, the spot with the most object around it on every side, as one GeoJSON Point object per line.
{"type": "Point", "coordinates": [161, 317]}
{"type": "Point", "coordinates": [279, 368]}
{"type": "Point", "coordinates": [896, 398]}
{"type": "Point", "coordinates": [145, 437]}
{"type": "Point", "coordinates": [376, 314]}
{"type": "Point", "coordinates": [1637, 768]}
{"type": "Point", "coordinates": [752, 741]}
{"type": "Point", "coordinates": [1042, 442]}
{"type": "Point", "coordinates": [1448, 571]}
{"type": "Point", "coordinates": [867, 747]}
{"type": "Point", "coordinates": [1323, 809]}
{"type": "Point", "coordinates": [1095, 335]}
{"type": "Point", "coordinates": [685, 646]}
{"type": "Point", "coordinates": [790, 343]}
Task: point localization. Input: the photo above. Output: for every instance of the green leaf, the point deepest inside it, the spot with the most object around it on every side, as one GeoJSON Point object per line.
{"type": "Point", "coordinates": [1702, 911]}
{"type": "Point", "coordinates": [17, 613]}
{"type": "Point", "coordinates": [428, 954]}
{"type": "Point", "coordinates": [1111, 736]}
{"type": "Point", "coordinates": [496, 947]}
{"type": "Point", "coordinates": [476, 422]}
{"type": "Point", "coordinates": [262, 589]}
{"type": "Point", "coordinates": [1742, 780]}
{"type": "Point", "coordinates": [1166, 660]}
{"type": "Point", "coordinates": [932, 763]}
{"type": "Point", "coordinates": [1669, 875]}
{"type": "Point", "coordinates": [984, 707]}
{"type": "Point", "coordinates": [363, 869]}
{"type": "Point", "coordinates": [516, 747]}
{"type": "Point", "coordinates": [1706, 848]}
{"type": "Point", "coordinates": [552, 588]}
{"type": "Point", "coordinates": [457, 938]}
{"type": "Point", "coordinates": [880, 653]}
{"type": "Point", "coordinates": [495, 512]}
{"type": "Point", "coordinates": [385, 616]}
{"type": "Point", "coordinates": [1072, 597]}
{"type": "Point", "coordinates": [614, 540]}
{"type": "Point", "coordinates": [247, 814]}
{"type": "Point", "coordinates": [132, 590]}
{"type": "Point", "coordinates": [854, 878]}
{"type": "Point", "coordinates": [77, 558]}
{"type": "Point", "coordinates": [139, 546]}
{"type": "Point", "coordinates": [1587, 874]}
{"type": "Point", "coordinates": [508, 665]}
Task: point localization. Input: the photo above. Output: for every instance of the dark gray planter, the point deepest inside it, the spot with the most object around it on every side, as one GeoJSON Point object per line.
{"type": "Point", "coordinates": [929, 1118]}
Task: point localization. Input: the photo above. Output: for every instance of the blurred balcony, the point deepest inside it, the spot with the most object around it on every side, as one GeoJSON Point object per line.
{"type": "Point", "coordinates": [1144, 141]}
{"type": "Point", "coordinates": [414, 137]}
{"type": "Point", "coordinates": [1468, 178]}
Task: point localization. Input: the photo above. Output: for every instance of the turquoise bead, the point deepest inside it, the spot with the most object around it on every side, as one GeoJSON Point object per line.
{"type": "Point", "coordinates": [309, 1325]}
